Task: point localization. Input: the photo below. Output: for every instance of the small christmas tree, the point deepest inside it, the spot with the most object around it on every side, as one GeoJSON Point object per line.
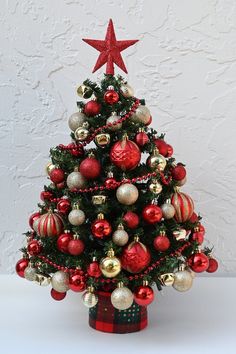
{"type": "Point", "coordinates": [109, 225]}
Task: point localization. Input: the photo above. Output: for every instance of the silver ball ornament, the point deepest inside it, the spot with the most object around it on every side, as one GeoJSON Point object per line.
{"type": "Point", "coordinates": [30, 273]}
{"type": "Point", "coordinates": [141, 115]}
{"type": "Point", "coordinates": [75, 180]}
{"type": "Point", "coordinates": [122, 298]}
{"type": "Point", "coordinates": [127, 194]}
{"type": "Point", "coordinates": [112, 119]}
{"type": "Point", "coordinates": [60, 281]}
{"type": "Point", "coordinates": [183, 280]}
{"type": "Point", "coordinates": [168, 211]}
{"type": "Point", "coordinates": [89, 299]}
{"type": "Point", "coordinates": [76, 217]}
{"type": "Point", "coordinates": [76, 120]}
{"type": "Point", "coordinates": [120, 237]}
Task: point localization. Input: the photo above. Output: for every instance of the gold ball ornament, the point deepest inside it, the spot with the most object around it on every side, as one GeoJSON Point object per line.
{"type": "Point", "coordinates": [110, 266]}
{"type": "Point", "coordinates": [89, 298]}
{"type": "Point", "coordinates": [76, 120]}
{"type": "Point", "coordinates": [75, 180]}
{"type": "Point", "coordinates": [120, 237]}
{"type": "Point", "coordinates": [60, 281]}
{"type": "Point", "coordinates": [43, 279]}
{"type": "Point", "coordinates": [30, 273]}
{"type": "Point", "coordinates": [183, 280]}
{"type": "Point", "coordinates": [122, 297]}
{"type": "Point", "coordinates": [112, 119]}
{"type": "Point", "coordinates": [127, 194]}
{"type": "Point", "coordinates": [168, 211]}
{"type": "Point", "coordinates": [167, 279]}
{"type": "Point", "coordinates": [84, 91]}
{"type": "Point", "coordinates": [156, 161]}
{"type": "Point", "coordinates": [126, 90]}
{"type": "Point", "coordinates": [141, 115]}
{"type": "Point", "coordinates": [155, 187]}
{"type": "Point", "coordinates": [49, 168]}
{"type": "Point", "coordinates": [81, 134]}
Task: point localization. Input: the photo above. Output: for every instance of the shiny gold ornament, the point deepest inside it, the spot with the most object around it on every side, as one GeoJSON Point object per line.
{"type": "Point", "coordinates": [81, 134]}
{"type": "Point", "coordinates": [99, 199]}
{"type": "Point", "coordinates": [168, 211]}
{"type": "Point", "coordinates": [167, 279]}
{"type": "Point", "coordinates": [122, 297]}
{"type": "Point", "coordinates": [112, 119]}
{"type": "Point", "coordinates": [89, 298]}
{"type": "Point", "coordinates": [156, 161]}
{"type": "Point", "coordinates": [183, 280]}
{"type": "Point", "coordinates": [120, 237]}
{"type": "Point", "coordinates": [126, 90]}
{"type": "Point", "coordinates": [49, 168]}
{"type": "Point", "coordinates": [110, 266]}
{"type": "Point", "coordinates": [102, 139]}
{"type": "Point", "coordinates": [43, 279]}
{"type": "Point", "coordinates": [84, 91]}
{"type": "Point", "coordinates": [180, 234]}
{"type": "Point", "coordinates": [60, 281]}
{"type": "Point", "coordinates": [155, 187]}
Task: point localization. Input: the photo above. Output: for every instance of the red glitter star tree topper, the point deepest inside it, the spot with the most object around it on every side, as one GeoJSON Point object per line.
{"type": "Point", "coordinates": [110, 50]}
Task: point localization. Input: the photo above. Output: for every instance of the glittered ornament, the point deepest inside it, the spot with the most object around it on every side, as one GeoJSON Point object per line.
{"type": "Point", "coordinates": [141, 115]}
{"type": "Point", "coordinates": [183, 280]}
{"type": "Point", "coordinates": [141, 138]}
{"type": "Point", "coordinates": [122, 297]}
{"type": "Point", "coordinates": [90, 168]}
{"type": "Point", "coordinates": [101, 228]}
{"type": "Point", "coordinates": [155, 187]}
{"type": "Point", "coordinates": [33, 218]}
{"type": "Point", "coordinates": [120, 237]}
{"type": "Point", "coordinates": [30, 273]}
{"type": "Point", "coordinates": [75, 180]}
{"type": "Point", "coordinates": [112, 122]}
{"type": "Point", "coordinates": [21, 265]}
{"type": "Point", "coordinates": [110, 266]}
{"type": "Point", "coordinates": [161, 242]}
{"type": "Point", "coordinates": [77, 282]}
{"type": "Point", "coordinates": [46, 196]}
{"type": "Point", "coordinates": [131, 219]}
{"type": "Point", "coordinates": [89, 298]}
{"type": "Point", "coordinates": [81, 133]}
{"type": "Point", "coordinates": [135, 257]}
{"type": "Point", "coordinates": [144, 294]}
{"type": "Point", "coordinates": [111, 96]}
{"type": "Point", "coordinates": [60, 281]}
{"type": "Point", "coordinates": [49, 225]}
{"type": "Point", "coordinates": [75, 246]}
{"type": "Point", "coordinates": [183, 205]}
{"type": "Point", "coordinates": [76, 216]}
{"type": "Point", "coordinates": [34, 248]}
{"type": "Point", "coordinates": [213, 265]}
{"type": "Point", "coordinates": [161, 146]}
{"type": "Point", "coordinates": [152, 213]}
{"type": "Point", "coordinates": [125, 154]}
{"type": "Point", "coordinates": [63, 241]}
{"type": "Point", "coordinates": [126, 90]}
{"type": "Point", "coordinates": [127, 194]}
{"type": "Point", "coordinates": [57, 175]}
{"type": "Point", "coordinates": [76, 120]}
{"type": "Point", "coordinates": [168, 211]}
{"type": "Point", "coordinates": [92, 108]}
{"type": "Point", "coordinates": [198, 262]}
{"type": "Point", "coordinates": [63, 206]}
{"type": "Point", "coordinates": [84, 91]}
{"type": "Point", "coordinates": [156, 161]}
{"type": "Point", "coordinates": [58, 296]}
{"type": "Point", "coordinates": [93, 269]}
{"type": "Point", "coordinates": [178, 172]}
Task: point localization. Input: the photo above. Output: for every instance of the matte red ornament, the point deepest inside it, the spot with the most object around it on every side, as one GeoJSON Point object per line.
{"type": "Point", "coordinates": [161, 243]}
{"type": "Point", "coordinates": [135, 257]}
{"type": "Point", "coordinates": [143, 295]}
{"type": "Point", "coordinates": [198, 262]}
{"type": "Point", "coordinates": [170, 150]}
{"type": "Point", "coordinates": [110, 50]}
{"type": "Point", "coordinates": [90, 168]}
{"type": "Point", "coordinates": [197, 237]}
{"type": "Point", "coordinates": [63, 206]}
{"type": "Point", "coordinates": [45, 195]}
{"type": "Point", "coordinates": [75, 247]}
{"type": "Point", "coordinates": [93, 270]}
{"type": "Point", "coordinates": [162, 146]}
{"type": "Point", "coordinates": [131, 219]}
{"type": "Point", "coordinates": [213, 265]}
{"type": "Point", "coordinates": [57, 296]}
{"type": "Point", "coordinates": [178, 172]}
{"type": "Point", "coordinates": [34, 248]}
{"type": "Point", "coordinates": [57, 175]}
{"type": "Point", "coordinates": [111, 97]}
{"type": "Point", "coordinates": [110, 183]}
{"type": "Point", "coordinates": [49, 225]}
{"type": "Point", "coordinates": [183, 205]}
{"type": "Point", "coordinates": [152, 213]}
{"type": "Point", "coordinates": [92, 108]}
{"type": "Point", "coordinates": [141, 139]}
{"type": "Point", "coordinates": [33, 218]}
{"type": "Point", "coordinates": [101, 228]}
{"type": "Point", "coordinates": [63, 241]}
{"type": "Point", "coordinates": [125, 154]}
{"type": "Point", "coordinates": [77, 282]}
{"type": "Point", "coordinates": [21, 265]}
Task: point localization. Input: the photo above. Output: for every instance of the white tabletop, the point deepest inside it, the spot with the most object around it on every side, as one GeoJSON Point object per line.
{"type": "Point", "coordinates": [203, 320]}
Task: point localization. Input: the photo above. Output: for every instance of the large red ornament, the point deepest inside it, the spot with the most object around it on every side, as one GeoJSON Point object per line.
{"type": "Point", "coordinates": [33, 218]}
{"type": "Point", "coordinates": [110, 50]}
{"type": "Point", "coordinates": [34, 248]}
{"type": "Point", "coordinates": [131, 219]}
{"type": "Point", "coordinates": [21, 265]}
{"type": "Point", "coordinates": [45, 195]}
{"type": "Point", "coordinates": [50, 224]}
{"type": "Point", "coordinates": [213, 265]}
{"type": "Point", "coordinates": [92, 108]}
{"type": "Point", "coordinates": [178, 172]}
{"type": "Point", "coordinates": [143, 295]}
{"type": "Point", "coordinates": [63, 206]}
{"type": "Point", "coordinates": [141, 139]}
{"type": "Point", "coordinates": [125, 154]}
{"type": "Point", "coordinates": [161, 243]}
{"type": "Point", "coordinates": [63, 241]}
{"type": "Point", "coordinates": [94, 270]}
{"type": "Point", "coordinates": [152, 213]}
{"type": "Point", "coordinates": [77, 282]}
{"type": "Point", "coordinates": [76, 247]}
{"type": "Point", "coordinates": [162, 146]}
{"type": "Point", "coordinates": [111, 97]}
{"type": "Point", "coordinates": [198, 262]}
{"type": "Point", "coordinates": [57, 175]}
{"type": "Point", "coordinates": [183, 205]}
{"type": "Point", "coordinates": [101, 228]}
{"type": "Point", "coordinates": [90, 168]}
{"type": "Point", "coordinates": [135, 257]}
{"type": "Point", "coordinates": [56, 295]}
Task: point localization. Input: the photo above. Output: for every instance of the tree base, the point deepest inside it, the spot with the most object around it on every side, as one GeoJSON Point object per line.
{"type": "Point", "coordinates": [104, 317]}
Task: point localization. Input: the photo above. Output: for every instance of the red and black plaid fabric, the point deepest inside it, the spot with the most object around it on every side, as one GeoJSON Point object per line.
{"type": "Point", "coordinates": [104, 317]}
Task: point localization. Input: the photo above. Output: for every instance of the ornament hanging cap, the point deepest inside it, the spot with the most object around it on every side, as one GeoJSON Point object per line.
{"type": "Point", "coordinates": [110, 50]}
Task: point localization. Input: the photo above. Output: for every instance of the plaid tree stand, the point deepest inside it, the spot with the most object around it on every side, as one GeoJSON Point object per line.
{"type": "Point", "coordinates": [104, 317]}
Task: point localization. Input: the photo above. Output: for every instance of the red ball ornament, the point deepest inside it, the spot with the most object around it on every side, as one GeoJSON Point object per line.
{"type": "Point", "coordinates": [33, 218]}
{"type": "Point", "coordinates": [63, 241]}
{"type": "Point", "coordinates": [162, 146]}
{"type": "Point", "coordinates": [75, 247]}
{"type": "Point", "coordinates": [198, 262]}
{"type": "Point", "coordinates": [183, 205]}
{"type": "Point", "coordinates": [93, 269]}
{"type": "Point", "coordinates": [77, 282]}
{"type": "Point", "coordinates": [152, 214]}
{"type": "Point", "coordinates": [131, 219]}
{"type": "Point", "coordinates": [197, 237]}
{"type": "Point", "coordinates": [21, 265]}
{"type": "Point", "coordinates": [63, 206]}
{"type": "Point", "coordinates": [141, 139]}
{"type": "Point", "coordinates": [57, 296]}
{"type": "Point", "coordinates": [45, 195]}
{"type": "Point", "coordinates": [92, 108]}
{"type": "Point", "coordinates": [213, 265]}
{"type": "Point", "coordinates": [143, 295]}
{"type": "Point", "coordinates": [161, 243]}
{"type": "Point", "coordinates": [101, 228]}
{"type": "Point", "coordinates": [57, 175]}
{"type": "Point", "coordinates": [169, 150]}
{"type": "Point", "coordinates": [135, 257]}
{"type": "Point", "coordinates": [34, 248]}
{"type": "Point", "coordinates": [111, 97]}
{"type": "Point", "coordinates": [90, 168]}
{"type": "Point", "coordinates": [194, 218]}
{"type": "Point", "coordinates": [49, 225]}
{"type": "Point", "coordinates": [178, 172]}
{"type": "Point", "coordinates": [125, 154]}
{"type": "Point", "coordinates": [110, 183]}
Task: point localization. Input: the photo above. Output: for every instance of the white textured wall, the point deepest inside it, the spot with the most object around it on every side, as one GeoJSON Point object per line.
{"type": "Point", "coordinates": [184, 65]}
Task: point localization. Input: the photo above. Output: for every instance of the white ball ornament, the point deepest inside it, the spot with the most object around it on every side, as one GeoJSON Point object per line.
{"type": "Point", "coordinates": [168, 211]}
{"type": "Point", "coordinates": [122, 297]}
{"type": "Point", "coordinates": [76, 217]}
{"type": "Point", "coordinates": [120, 237]}
{"type": "Point", "coordinates": [75, 180]}
{"type": "Point", "coordinates": [112, 119]}
{"type": "Point", "coordinates": [141, 115]}
{"type": "Point", "coordinates": [76, 120]}
{"type": "Point", "coordinates": [127, 194]}
{"type": "Point", "coordinates": [60, 281]}
{"type": "Point", "coordinates": [183, 280]}
{"type": "Point", "coordinates": [89, 298]}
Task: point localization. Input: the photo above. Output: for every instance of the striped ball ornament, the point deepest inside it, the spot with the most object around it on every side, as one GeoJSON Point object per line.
{"type": "Point", "coordinates": [183, 205]}
{"type": "Point", "coordinates": [49, 225]}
